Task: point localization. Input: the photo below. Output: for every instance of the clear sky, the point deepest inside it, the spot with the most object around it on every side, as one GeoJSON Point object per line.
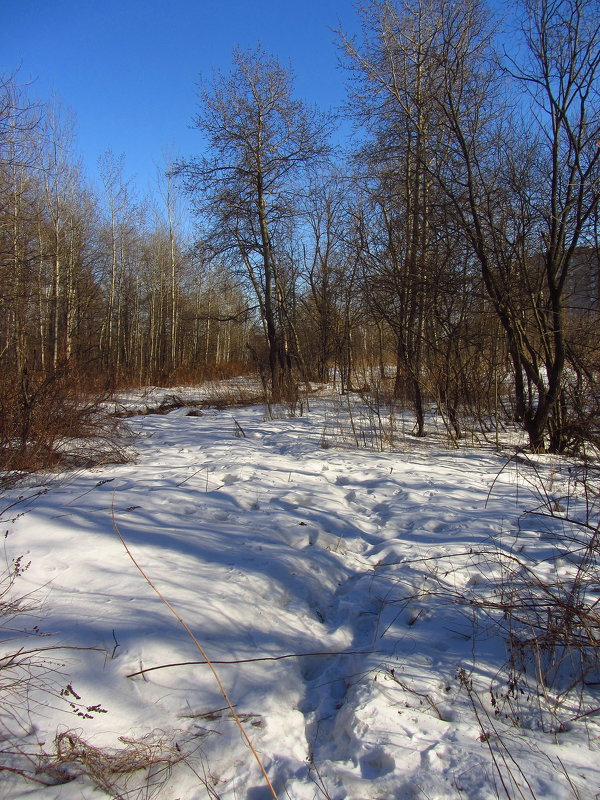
{"type": "Point", "coordinates": [128, 69]}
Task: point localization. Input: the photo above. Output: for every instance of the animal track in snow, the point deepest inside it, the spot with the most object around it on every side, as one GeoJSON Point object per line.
{"type": "Point", "coordinates": [376, 763]}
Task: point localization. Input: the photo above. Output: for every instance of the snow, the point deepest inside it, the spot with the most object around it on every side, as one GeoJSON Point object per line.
{"type": "Point", "coordinates": [360, 567]}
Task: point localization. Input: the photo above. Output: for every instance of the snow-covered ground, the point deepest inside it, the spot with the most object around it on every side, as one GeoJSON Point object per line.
{"type": "Point", "coordinates": [335, 589]}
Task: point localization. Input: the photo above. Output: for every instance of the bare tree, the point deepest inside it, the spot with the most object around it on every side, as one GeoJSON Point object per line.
{"type": "Point", "coordinates": [397, 82]}
{"type": "Point", "coordinates": [325, 272]}
{"type": "Point", "coordinates": [526, 194]}
{"type": "Point", "coordinates": [260, 142]}
{"type": "Point", "coordinates": [561, 75]}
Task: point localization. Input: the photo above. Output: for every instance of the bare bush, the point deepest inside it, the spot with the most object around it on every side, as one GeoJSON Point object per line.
{"type": "Point", "coordinates": [52, 421]}
{"type": "Point", "coordinates": [553, 623]}
{"type": "Point", "coordinates": [232, 394]}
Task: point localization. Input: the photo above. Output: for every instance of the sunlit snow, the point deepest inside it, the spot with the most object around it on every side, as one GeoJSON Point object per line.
{"type": "Point", "coordinates": [271, 538]}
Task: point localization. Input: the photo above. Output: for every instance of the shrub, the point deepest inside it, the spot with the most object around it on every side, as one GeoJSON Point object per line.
{"type": "Point", "coordinates": [53, 421]}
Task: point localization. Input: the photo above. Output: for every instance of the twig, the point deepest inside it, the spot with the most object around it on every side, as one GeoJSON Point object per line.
{"type": "Point", "coordinates": [116, 644]}
{"type": "Point", "coordinates": [253, 660]}
{"type": "Point", "coordinates": [408, 689]}
{"type": "Point", "coordinates": [502, 750]}
{"type": "Point", "coordinates": [239, 430]}
{"type": "Point", "coordinates": [23, 774]}
{"type": "Point", "coordinates": [53, 647]}
{"type": "Point", "coordinates": [189, 477]}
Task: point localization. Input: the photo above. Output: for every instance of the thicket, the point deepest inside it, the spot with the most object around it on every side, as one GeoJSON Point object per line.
{"type": "Point", "coordinates": [452, 259]}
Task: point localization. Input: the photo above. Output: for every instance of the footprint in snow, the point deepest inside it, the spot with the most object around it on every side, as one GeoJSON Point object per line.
{"type": "Point", "coordinates": [178, 508]}
{"type": "Point", "coordinates": [216, 514]}
{"type": "Point", "coordinates": [436, 525]}
{"type": "Point", "coordinates": [383, 511]}
{"type": "Point", "coordinates": [376, 763]}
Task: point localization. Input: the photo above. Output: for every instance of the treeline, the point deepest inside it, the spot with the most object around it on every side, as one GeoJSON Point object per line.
{"type": "Point", "coordinates": [451, 257]}
{"type": "Point", "coordinates": [101, 282]}
{"type": "Point", "coordinates": [98, 288]}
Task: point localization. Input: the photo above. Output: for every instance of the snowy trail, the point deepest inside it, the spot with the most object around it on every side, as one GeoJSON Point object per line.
{"type": "Point", "coordinates": [269, 545]}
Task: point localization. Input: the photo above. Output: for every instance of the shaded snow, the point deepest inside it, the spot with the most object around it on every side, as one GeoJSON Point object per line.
{"type": "Point", "coordinates": [269, 545]}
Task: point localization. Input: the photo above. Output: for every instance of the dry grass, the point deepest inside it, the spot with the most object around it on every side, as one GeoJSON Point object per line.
{"type": "Point", "coordinates": [553, 623]}
{"type": "Point", "coordinates": [220, 395]}
{"type": "Point", "coordinates": [137, 769]}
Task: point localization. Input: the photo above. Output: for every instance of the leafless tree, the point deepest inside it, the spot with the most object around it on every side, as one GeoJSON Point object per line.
{"type": "Point", "coordinates": [260, 142]}
{"type": "Point", "coordinates": [526, 192]}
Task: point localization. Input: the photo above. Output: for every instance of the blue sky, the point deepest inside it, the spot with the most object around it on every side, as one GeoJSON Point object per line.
{"type": "Point", "coordinates": [128, 69]}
